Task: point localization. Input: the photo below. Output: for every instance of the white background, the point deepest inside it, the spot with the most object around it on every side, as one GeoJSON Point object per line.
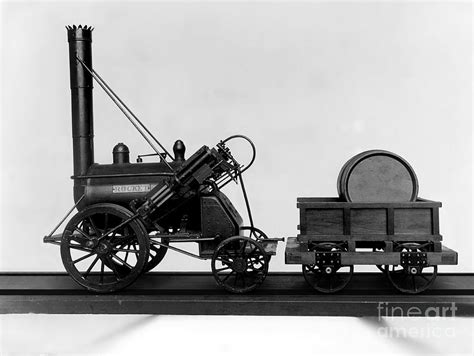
{"type": "Point", "coordinates": [311, 83]}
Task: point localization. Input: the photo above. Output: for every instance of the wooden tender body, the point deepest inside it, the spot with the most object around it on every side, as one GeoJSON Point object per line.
{"type": "Point", "coordinates": [336, 233]}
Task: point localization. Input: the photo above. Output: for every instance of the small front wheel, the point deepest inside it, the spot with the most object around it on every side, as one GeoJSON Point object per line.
{"type": "Point", "coordinates": [239, 264]}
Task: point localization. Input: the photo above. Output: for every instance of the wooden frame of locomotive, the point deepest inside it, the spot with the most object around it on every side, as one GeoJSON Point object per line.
{"type": "Point", "coordinates": [138, 209]}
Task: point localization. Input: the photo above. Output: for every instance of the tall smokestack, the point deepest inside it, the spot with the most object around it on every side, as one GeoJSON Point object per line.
{"type": "Point", "coordinates": [80, 45]}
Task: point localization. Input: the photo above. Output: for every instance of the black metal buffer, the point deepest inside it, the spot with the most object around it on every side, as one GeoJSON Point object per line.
{"type": "Point", "coordinates": [368, 294]}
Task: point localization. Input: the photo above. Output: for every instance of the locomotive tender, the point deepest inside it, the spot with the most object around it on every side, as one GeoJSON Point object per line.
{"type": "Point", "coordinates": [130, 214]}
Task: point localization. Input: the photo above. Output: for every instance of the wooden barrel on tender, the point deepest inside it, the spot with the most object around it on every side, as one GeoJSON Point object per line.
{"type": "Point", "coordinates": [377, 176]}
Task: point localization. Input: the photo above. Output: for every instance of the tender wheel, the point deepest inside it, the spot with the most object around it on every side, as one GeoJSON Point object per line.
{"type": "Point", "coordinates": [239, 264]}
{"type": "Point", "coordinates": [328, 277]}
{"type": "Point", "coordinates": [102, 249]}
{"type": "Point", "coordinates": [411, 279]}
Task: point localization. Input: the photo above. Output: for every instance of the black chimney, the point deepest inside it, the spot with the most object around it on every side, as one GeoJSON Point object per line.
{"type": "Point", "coordinates": [80, 45]}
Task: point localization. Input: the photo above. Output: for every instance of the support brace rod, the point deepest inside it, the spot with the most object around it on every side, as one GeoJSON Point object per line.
{"type": "Point", "coordinates": [128, 113]}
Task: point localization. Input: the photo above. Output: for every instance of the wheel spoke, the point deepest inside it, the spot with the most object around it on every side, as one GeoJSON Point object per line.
{"type": "Point", "coordinates": [101, 270]}
{"type": "Point", "coordinates": [91, 266]}
{"type": "Point", "coordinates": [113, 267]}
{"type": "Point", "coordinates": [242, 250]}
{"type": "Point", "coordinates": [127, 250]}
{"type": "Point", "coordinates": [77, 238]}
{"type": "Point", "coordinates": [413, 282]}
{"type": "Point", "coordinates": [227, 277]}
{"type": "Point", "coordinates": [80, 248]}
{"type": "Point", "coordinates": [220, 258]}
{"type": "Point", "coordinates": [122, 261]}
{"type": "Point", "coordinates": [126, 254]}
{"type": "Point", "coordinates": [94, 227]}
{"type": "Point", "coordinates": [83, 257]}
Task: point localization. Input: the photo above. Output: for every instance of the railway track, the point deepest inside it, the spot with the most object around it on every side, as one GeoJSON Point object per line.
{"type": "Point", "coordinates": [368, 294]}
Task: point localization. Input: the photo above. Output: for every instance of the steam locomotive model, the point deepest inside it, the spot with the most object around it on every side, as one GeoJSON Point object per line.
{"type": "Point", "coordinates": [130, 214]}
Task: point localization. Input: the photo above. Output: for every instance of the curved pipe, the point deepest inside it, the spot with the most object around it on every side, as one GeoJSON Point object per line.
{"type": "Point", "coordinates": [254, 150]}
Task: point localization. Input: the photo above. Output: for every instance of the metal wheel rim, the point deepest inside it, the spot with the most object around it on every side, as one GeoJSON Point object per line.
{"type": "Point", "coordinates": [408, 283]}
{"type": "Point", "coordinates": [101, 274]}
{"type": "Point", "coordinates": [323, 282]}
{"type": "Point", "coordinates": [327, 283]}
{"type": "Point", "coordinates": [225, 259]}
{"type": "Point", "coordinates": [411, 283]}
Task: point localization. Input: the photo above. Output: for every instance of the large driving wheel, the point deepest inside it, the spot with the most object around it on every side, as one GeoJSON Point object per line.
{"type": "Point", "coordinates": [239, 264]}
{"type": "Point", "coordinates": [103, 248]}
{"type": "Point", "coordinates": [327, 275]}
{"type": "Point", "coordinates": [414, 278]}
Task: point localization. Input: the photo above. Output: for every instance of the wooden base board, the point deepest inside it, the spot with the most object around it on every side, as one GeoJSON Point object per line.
{"type": "Point", "coordinates": [368, 294]}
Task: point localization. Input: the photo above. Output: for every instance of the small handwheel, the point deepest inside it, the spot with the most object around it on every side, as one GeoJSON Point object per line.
{"type": "Point", "coordinates": [254, 233]}
{"type": "Point", "coordinates": [328, 278]}
{"type": "Point", "coordinates": [411, 279]}
{"type": "Point", "coordinates": [103, 248]}
{"type": "Point", "coordinates": [239, 264]}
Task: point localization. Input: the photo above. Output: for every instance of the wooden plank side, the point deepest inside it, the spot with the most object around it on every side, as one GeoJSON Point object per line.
{"type": "Point", "coordinates": [373, 237]}
{"type": "Point", "coordinates": [435, 220]}
{"type": "Point", "coordinates": [412, 221]}
{"type": "Point", "coordinates": [337, 203]}
{"type": "Point", "coordinates": [368, 221]}
{"type": "Point", "coordinates": [324, 221]}
{"type": "Point", "coordinates": [347, 221]}
{"type": "Point", "coordinates": [302, 226]}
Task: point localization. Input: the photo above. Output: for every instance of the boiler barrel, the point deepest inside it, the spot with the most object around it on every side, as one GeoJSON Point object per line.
{"type": "Point", "coordinates": [377, 176]}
